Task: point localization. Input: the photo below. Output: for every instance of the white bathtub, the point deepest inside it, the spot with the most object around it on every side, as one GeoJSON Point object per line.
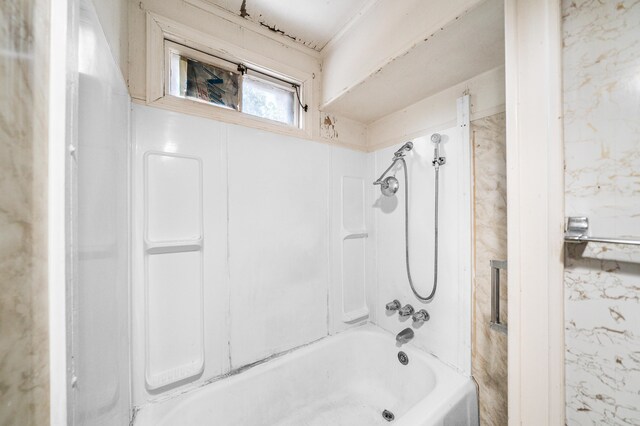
{"type": "Point", "coordinates": [348, 379]}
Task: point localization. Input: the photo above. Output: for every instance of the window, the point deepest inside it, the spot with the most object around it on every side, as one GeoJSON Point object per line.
{"type": "Point", "coordinates": [216, 81]}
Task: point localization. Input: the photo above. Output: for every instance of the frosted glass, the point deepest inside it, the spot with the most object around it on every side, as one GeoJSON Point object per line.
{"type": "Point", "coordinates": [267, 100]}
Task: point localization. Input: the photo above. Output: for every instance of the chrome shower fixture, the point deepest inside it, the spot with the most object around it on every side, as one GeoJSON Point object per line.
{"type": "Point", "coordinates": [437, 159]}
{"type": "Point", "coordinates": [389, 185]}
{"type": "Point", "coordinates": [406, 147]}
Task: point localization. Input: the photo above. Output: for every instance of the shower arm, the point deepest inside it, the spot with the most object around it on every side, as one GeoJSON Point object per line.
{"type": "Point", "coordinates": [393, 163]}
{"type": "Point", "coordinates": [408, 146]}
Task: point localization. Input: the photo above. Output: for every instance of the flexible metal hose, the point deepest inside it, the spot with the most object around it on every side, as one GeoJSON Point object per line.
{"type": "Point", "coordinates": [406, 233]}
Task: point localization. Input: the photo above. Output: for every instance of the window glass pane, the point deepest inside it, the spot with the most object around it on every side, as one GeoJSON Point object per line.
{"type": "Point", "coordinates": [204, 82]}
{"type": "Point", "coordinates": [268, 100]}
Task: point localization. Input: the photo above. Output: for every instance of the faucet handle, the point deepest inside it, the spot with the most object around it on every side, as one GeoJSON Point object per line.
{"type": "Point", "coordinates": [406, 310]}
{"type": "Point", "coordinates": [393, 306]}
{"type": "Point", "coordinates": [421, 316]}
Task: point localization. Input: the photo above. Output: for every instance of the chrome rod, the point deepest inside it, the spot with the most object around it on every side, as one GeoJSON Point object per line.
{"type": "Point", "coordinates": [578, 232]}
{"type": "Point", "coordinates": [585, 239]}
{"type": "Point", "coordinates": [393, 163]}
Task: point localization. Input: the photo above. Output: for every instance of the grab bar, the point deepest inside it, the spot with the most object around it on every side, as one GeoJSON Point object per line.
{"type": "Point", "coordinates": [578, 232]}
{"type": "Point", "coordinates": [495, 323]}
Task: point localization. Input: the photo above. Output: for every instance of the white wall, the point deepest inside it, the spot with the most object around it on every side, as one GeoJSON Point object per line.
{"type": "Point", "coordinates": [114, 19]}
{"type": "Point", "coordinates": [447, 333]}
{"type": "Point", "coordinates": [234, 247]}
{"type": "Point", "coordinates": [439, 111]}
{"type": "Point", "coordinates": [100, 216]}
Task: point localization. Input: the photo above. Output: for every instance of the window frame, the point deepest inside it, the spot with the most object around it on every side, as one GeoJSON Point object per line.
{"type": "Point", "coordinates": [191, 43]}
{"type": "Point", "coordinates": [278, 81]}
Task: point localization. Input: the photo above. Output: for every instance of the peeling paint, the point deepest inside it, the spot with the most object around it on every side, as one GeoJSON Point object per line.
{"type": "Point", "coordinates": [279, 31]}
{"type": "Point", "coordinates": [243, 10]}
{"type": "Point", "coordinates": [328, 127]}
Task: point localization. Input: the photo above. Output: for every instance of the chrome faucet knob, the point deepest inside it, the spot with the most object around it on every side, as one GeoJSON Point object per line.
{"type": "Point", "coordinates": [421, 316]}
{"type": "Point", "coordinates": [393, 306]}
{"type": "Point", "coordinates": [406, 310]}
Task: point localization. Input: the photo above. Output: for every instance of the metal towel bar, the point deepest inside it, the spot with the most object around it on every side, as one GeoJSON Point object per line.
{"type": "Point", "coordinates": [495, 323]}
{"type": "Point", "coordinates": [578, 232]}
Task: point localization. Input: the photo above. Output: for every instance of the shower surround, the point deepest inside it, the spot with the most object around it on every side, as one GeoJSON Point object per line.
{"type": "Point", "coordinates": [601, 59]}
{"type": "Point", "coordinates": [249, 244]}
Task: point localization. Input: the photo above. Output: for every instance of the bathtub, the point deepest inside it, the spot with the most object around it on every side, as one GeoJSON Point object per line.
{"type": "Point", "coordinates": [347, 379]}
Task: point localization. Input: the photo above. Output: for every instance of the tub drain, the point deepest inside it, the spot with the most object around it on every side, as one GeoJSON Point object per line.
{"type": "Point", "coordinates": [403, 358]}
{"type": "Point", "coordinates": [388, 415]}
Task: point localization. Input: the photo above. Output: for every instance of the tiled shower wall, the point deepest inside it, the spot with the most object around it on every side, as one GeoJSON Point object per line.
{"type": "Point", "coordinates": [601, 63]}
{"type": "Point", "coordinates": [489, 347]}
{"type": "Point", "coordinates": [24, 380]}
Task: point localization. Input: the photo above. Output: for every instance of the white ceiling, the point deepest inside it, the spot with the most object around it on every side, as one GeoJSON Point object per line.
{"type": "Point", "coordinates": [469, 46]}
{"type": "Point", "coordinates": [311, 22]}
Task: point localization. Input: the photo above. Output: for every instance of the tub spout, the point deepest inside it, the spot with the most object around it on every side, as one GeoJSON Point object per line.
{"type": "Point", "coordinates": [404, 336]}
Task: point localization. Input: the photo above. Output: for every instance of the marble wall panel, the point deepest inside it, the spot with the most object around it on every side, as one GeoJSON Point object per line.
{"type": "Point", "coordinates": [601, 63]}
{"type": "Point", "coordinates": [24, 387]}
{"type": "Point", "coordinates": [489, 347]}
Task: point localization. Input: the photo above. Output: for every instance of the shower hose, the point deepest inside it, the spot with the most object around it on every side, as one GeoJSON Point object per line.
{"type": "Point", "coordinates": [435, 233]}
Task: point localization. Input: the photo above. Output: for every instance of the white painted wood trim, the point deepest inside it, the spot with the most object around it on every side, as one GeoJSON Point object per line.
{"type": "Point", "coordinates": [535, 203]}
{"type": "Point", "coordinates": [160, 29]}
{"type": "Point", "coordinates": [252, 26]}
{"type": "Point", "coordinates": [465, 231]}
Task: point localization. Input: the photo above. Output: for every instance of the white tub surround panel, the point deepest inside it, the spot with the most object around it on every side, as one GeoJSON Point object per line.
{"type": "Point", "coordinates": [601, 59]}
{"type": "Point", "coordinates": [238, 247]}
{"type": "Point", "coordinates": [353, 241]}
{"type": "Point", "coordinates": [447, 333]}
{"type": "Point", "coordinates": [354, 375]}
{"type": "Point", "coordinates": [100, 243]}
{"type": "Point", "coordinates": [278, 246]}
{"type": "Point", "coordinates": [180, 291]}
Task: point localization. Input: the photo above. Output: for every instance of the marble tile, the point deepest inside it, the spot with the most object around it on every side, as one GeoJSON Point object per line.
{"type": "Point", "coordinates": [489, 348]}
{"type": "Point", "coordinates": [601, 63]}
{"type": "Point", "coordinates": [24, 395]}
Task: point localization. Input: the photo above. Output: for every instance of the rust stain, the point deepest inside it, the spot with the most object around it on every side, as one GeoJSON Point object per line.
{"type": "Point", "coordinates": [327, 121]}
{"type": "Point", "coordinates": [620, 6]}
{"type": "Point", "coordinates": [243, 10]}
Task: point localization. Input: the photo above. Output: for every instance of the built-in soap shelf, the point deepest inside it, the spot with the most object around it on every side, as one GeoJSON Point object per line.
{"type": "Point", "coordinates": [174, 268]}
{"type": "Point", "coordinates": [358, 314]}
{"type": "Point", "coordinates": [348, 235]}
{"type": "Point", "coordinates": [173, 247]}
{"type": "Point", "coordinates": [355, 316]}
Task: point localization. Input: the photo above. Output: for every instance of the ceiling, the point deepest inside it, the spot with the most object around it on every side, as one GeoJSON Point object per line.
{"type": "Point", "coordinates": [311, 22]}
{"type": "Point", "coordinates": [470, 45]}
